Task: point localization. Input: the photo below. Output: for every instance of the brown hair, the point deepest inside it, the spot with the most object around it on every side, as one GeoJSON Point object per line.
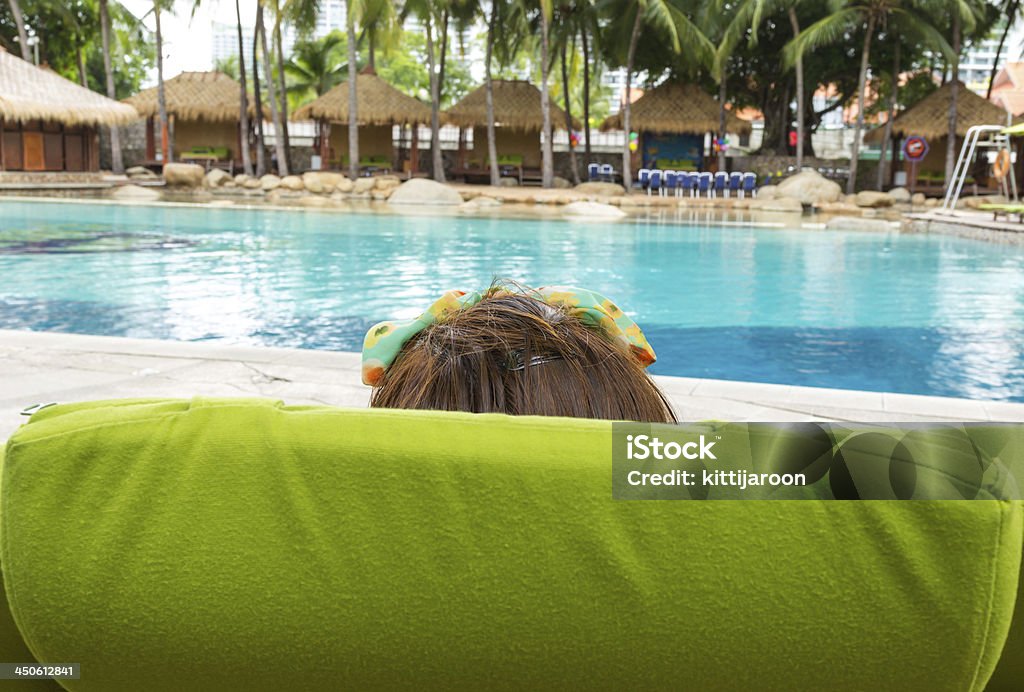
{"type": "Point", "coordinates": [515, 354]}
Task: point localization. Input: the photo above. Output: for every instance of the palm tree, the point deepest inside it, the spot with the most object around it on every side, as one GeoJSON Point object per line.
{"type": "Point", "coordinates": [847, 17]}
{"type": "Point", "coordinates": [547, 165]}
{"type": "Point", "coordinates": [116, 158]}
{"type": "Point", "coordinates": [19, 21]}
{"type": "Point", "coordinates": [380, 27]}
{"type": "Point", "coordinates": [316, 67]}
{"type": "Point", "coordinates": [275, 114]}
{"type": "Point", "coordinates": [665, 16]}
{"type": "Point", "coordinates": [963, 14]}
{"type": "Point", "coordinates": [1011, 11]}
{"type": "Point", "coordinates": [492, 148]}
{"type": "Point", "coordinates": [161, 96]}
{"type": "Point", "coordinates": [891, 114]}
{"type": "Point", "coordinates": [353, 71]}
{"type": "Point", "coordinates": [243, 107]}
{"type": "Point", "coordinates": [261, 162]}
{"type": "Point", "coordinates": [426, 12]}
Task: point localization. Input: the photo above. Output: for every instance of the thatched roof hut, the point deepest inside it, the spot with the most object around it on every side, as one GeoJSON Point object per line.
{"type": "Point", "coordinates": [28, 93]}
{"type": "Point", "coordinates": [209, 96]}
{"type": "Point", "coordinates": [676, 108]}
{"type": "Point", "coordinates": [929, 118]}
{"type": "Point", "coordinates": [377, 103]}
{"type": "Point", "coordinates": [516, 107]}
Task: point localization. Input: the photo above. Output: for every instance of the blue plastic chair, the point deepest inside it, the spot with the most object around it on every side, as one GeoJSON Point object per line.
{"type": "Point", "coordinates": [593, 171]}
{"type": "Point", "coordinates": [721, 183]}
{"type": "Point", "coordinates": [683, 183]}
{"type": "Point", "coordinates": [694, 184]}
{"type": "Point", "coordinates": [607, 172]}
{"type": "Point", "coordinates": [735, 182]}
{"type": "Point", "coordinates": [644, 177]}
{"type": "Point", "coordinates": [749, 184]}
{"type": "Point", "coordinates": [705, 185]}
{"type": "Point", "coordinates": [655, 183]}
{"type": "Point", "coordinates": [670, 183]}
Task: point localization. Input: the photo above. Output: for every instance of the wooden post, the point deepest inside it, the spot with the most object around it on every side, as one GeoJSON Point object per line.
{"type": "Point", "coordinates": [414, 151]}
{"type": "Point", "coordinates": [150, 140]}
{"type": "Point", "coordinates": [325, 143]}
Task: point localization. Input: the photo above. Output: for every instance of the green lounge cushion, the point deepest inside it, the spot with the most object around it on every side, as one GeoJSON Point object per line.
{"type": "Point", "coordinates": [242, 544]}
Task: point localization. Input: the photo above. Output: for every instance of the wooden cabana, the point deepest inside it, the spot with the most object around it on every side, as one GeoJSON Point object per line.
{"type": "Point", "coordinates": [518, 122]}
{"type": "Point", "coordinates": [929, 118]}
{"type": "Point", "coordinates": [48, 123]}
{"type": "Point", "coordinates": [379, 107]}
{"type": "Point", "coordinates": [203, 110]}
{"type": "Point", "coordinates": [671, 120]}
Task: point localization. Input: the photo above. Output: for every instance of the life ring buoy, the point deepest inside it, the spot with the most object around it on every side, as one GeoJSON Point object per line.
{"type": "Point", "coordinates": [1001, 166]}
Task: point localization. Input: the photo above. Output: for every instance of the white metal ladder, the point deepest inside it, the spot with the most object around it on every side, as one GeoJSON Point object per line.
{"type": "Point", "coordinates": [972, 142]}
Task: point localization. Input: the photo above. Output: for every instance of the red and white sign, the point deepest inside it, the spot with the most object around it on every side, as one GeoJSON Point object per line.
{"type": "Point", "coordinates": [915, 148]}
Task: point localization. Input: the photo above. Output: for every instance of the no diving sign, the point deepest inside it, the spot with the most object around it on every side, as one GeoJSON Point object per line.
{"type": "Point", "coordinates": [915, 148]}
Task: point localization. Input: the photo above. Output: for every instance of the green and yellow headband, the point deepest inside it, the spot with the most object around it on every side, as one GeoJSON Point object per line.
{"type": "Point", "coordinates": [385, 340]}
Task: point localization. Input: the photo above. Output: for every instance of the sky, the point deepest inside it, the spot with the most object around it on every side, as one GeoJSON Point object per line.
{"type": "Point", "coordinates": [188, 40]}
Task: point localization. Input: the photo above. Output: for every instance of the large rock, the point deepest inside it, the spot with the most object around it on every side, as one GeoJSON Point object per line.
{"type": "Point", "coordinates": [918, 199]}
{"type": "Point", "coordinates": [873, 200]}
{"type": "Point", "coordinates": [600, 189]}
{"type": "Point", "coordinates": [345, 186]}
{"type": "Point", "coordinates": [363, 185]}
{"type": "Point", "coordinates": [135, 193]}
{"type": "Point", "coordinates": [786, 204]}
{"type": "Point", "coordinates": [768, 192]}
{"type": "Point", "coordinates": [270, 182]}
{"type": "Point", "coordinates": [839, 208]}
{"type": "Point", "coordinates": [321, 181]}
{"type": "Point", "coordinates": [216, 178]}
{"type": "Point", "coordinates": [292, 182]}
{"type": "Point", "coordinates": [425, 192]}
{"type": "Point", "coordinates": [900, 195]}
{"type": "Point", "coordinates": [386, 182]}
{"type": "Point", "coordinates": [560, 183]}
{"type": "Point", "coordinates": [252, 184]}
{"type": "Point", "coordinates": [809, 187]}
{"type": "Point", "coordinates": [140, 172]}
{"type": "Point", "coordinates": [593, 210]}
{"type": "Point", "coordinates": [184, 174]}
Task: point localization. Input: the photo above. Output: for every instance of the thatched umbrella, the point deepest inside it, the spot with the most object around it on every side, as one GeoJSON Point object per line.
{"type": "Point", "coordinates": [518, 120]}
{"type": "Point", "coordinates": [672, 119]}
{"type": "Point", "coordinates": [379, 106]}
{"type": "Point", "coordinates": [204, 107]}
{"type": "Point", "coordinates": [48, 122]}
{"type": "Point", "coordinates": [929, 118]}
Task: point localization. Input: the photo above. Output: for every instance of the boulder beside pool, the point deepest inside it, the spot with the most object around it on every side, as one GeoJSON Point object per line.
{"type": "Point", "coordinates": [135, 193]}
{"type": "Point", "coordinates": [809, 187]}
{"type": "Point", "coordinates": [593, 211]}
{"type": "Point", "coordinates": [421, 191]}
{"type": "Point", "coordinates": [184, 174]}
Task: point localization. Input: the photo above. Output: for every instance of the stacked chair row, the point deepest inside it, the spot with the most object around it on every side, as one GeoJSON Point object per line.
{"type": "Point", "coordinates": [601, 172]}
{"type": "Point", "coordinates": [681, 183]}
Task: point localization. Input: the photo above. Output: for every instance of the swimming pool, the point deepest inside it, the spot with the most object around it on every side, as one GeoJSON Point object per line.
{"type": "Point", "coordinates": [925, 314]}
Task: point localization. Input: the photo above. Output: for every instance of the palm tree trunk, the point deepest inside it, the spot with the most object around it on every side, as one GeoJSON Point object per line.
{"type": "Point", "coordinates": [547, 164]}
{"type": "Point", "coordinates": [261, 161]}
{"type": "Point", "coordinates": [353, 106]}
{"type": "Point", "coordinates": [282, 87]}
{"type": "Point", "coordinates": [437, 157]}
{"type": "Point", "coordinates": [443, 55]}
{"type": "Point", "coordinates": [1010, 12]}
{"type": "Point", "coordinates": [795, 23]}
{"type": "Point", "coordinates": [116, 158]}
{"type": "Point", "coordinates": [953, 93]}
{"type": "Point", "coordinates": [887, 137]}
{"type": "Point", "coordinates": [586, 93]}
{"type": "Point", "coordinates": [851, 184]}
{"type": "Point", "coordinates": [721, 118]}
{"type": "Point", "coordinates": [568, 116]}
{"type": "Point", "coordinates": [275, 114]}
{"type": "Point", "coordinates": [373, 60]}
{"type": "Point", "coordinates": [81, 66]}
{"type": "Point", "coordinates": [19, 20]}
{"type": "Point", "coordinates": [161, 96]}
{"type": "Point", "coordinates": [492, 148]}
{"type": "Point", "coordinates": [627, 177]}
{"type": "Point", "coordinates": [243, 107]}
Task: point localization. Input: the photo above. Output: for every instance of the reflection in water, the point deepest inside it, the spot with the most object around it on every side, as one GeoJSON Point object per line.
{"type": "Point", "coordinates": [916, 313]}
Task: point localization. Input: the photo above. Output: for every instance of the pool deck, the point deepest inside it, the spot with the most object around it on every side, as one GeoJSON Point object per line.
{"type": "Point", "coordinates": [43, 367]}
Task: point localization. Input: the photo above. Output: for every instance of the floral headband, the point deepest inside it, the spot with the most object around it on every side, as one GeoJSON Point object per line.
{"type": "Point", "coordinates": [385, 340]}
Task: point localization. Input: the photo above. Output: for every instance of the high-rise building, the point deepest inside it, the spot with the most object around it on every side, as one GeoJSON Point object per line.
{"type": "Point", "coordinates": [976, 65]}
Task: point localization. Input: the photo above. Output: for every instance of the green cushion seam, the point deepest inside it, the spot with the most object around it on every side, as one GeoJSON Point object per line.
{"type": "Point", "coordinates": [994, 567]}
{"type": "Point", "coordinates": [8, 577]}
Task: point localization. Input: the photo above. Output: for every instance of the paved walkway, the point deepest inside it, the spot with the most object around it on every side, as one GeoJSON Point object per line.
{"type": "Point", "coordinates": [41, 367]}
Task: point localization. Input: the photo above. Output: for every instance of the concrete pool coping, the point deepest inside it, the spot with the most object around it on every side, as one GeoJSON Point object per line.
{"type": "Point", "coordinates": [45, 367]}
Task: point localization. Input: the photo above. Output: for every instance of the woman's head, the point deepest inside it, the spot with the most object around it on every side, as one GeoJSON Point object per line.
{"type": "Point", "coordinates": [551, 352]}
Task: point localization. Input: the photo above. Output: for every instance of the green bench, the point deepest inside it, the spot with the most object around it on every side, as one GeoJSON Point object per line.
{"type": "Point", "coordinates": [1006, 210]}
{"type": "Point", "coordinates": [220, 544]}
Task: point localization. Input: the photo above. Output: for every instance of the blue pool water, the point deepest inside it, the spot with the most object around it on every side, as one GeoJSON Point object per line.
{"type": "Point", "coordinates": [923, 314]}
